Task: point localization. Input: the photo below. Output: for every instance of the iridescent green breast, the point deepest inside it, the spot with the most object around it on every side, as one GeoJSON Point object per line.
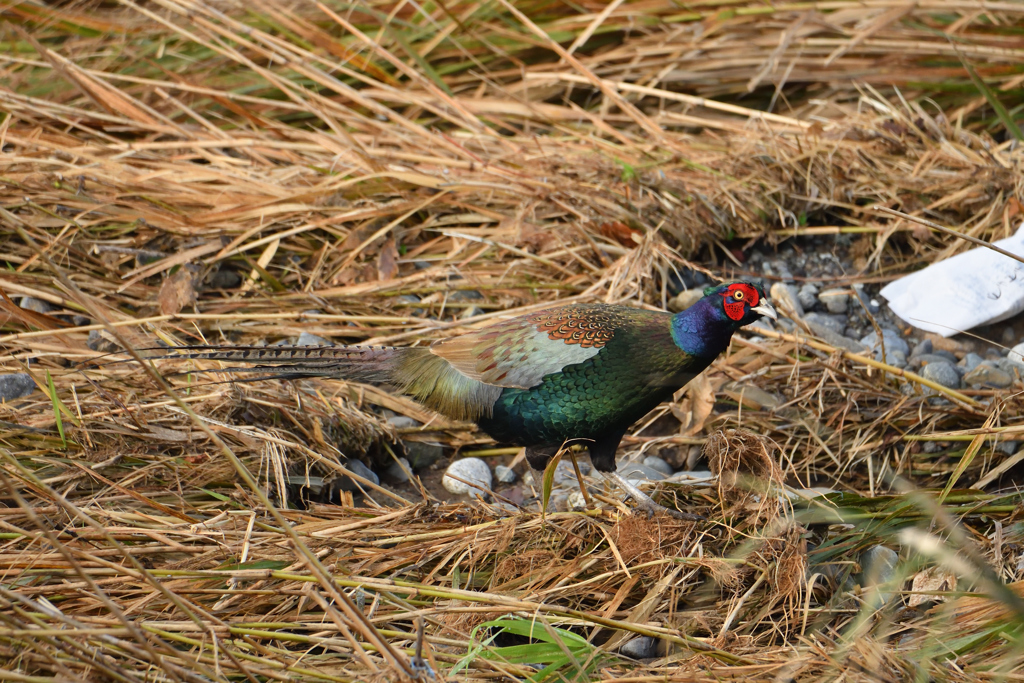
{"type": "Point", "coordinates": [638, 368]}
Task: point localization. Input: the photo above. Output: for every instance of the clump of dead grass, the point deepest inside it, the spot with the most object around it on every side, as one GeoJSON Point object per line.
{"type": "Point", "coordinates": [642, 541]}
{"type": "Point", "coordinates": [749, 477]}
{"type": "Point", "coordinates": [522, 564]}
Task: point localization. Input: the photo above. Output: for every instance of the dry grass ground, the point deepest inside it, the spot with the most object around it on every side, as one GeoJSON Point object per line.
{"type": "Point", "coordinates": [178, 171]}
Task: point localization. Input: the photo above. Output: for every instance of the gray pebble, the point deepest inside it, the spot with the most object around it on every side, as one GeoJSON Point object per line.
{"type": "Point", "coordinates": [942, 372]}
{"type": "Point", "coordinates": [98, 341]}
{"type": "Point", "coordinates": [657, 464]}
{"type": "Point", "coordinates": [779, 268]}
{"type": "Point", "coordinates": [786, 296]}
{"type": "Point", "coordinates": [835, 339]}
{"type": "Point", "coordinates": [833, 323]}
{"type": "Point", "coordinates": [971, 361]}
{"type": "Point", "coordinates": [1010, 367]}
{"type": "Point", "coordinates": [307, 339]}
{"type": "Point", "coordinates": [16, 385]}
{"type": "Point", "coordinates": [644, 647]}
{"type": "Point", "coordinates": [357, 467]}
{"type": "Point", "coordinates": [473, 470]}
{"type": "Point", "coordinates": [505, 509]}
{"type": "Point", "coordinates": [225, 279]}
{"type": "Point", "coordinates": [423, 454]}
{"type": "Point", "coordinates": [835, 300]}
{"type": "Point", "coordinates": [30, 303]}
{"type": "Point", "coordinates": [637, 472]}
{"type": "Point", "coordinates": [898, 359]}
{"type": "Point", "coordinates": [396, 472]}
{"type": "Point", "coordinates": [1016, 355]}
{"type": "Point", "coordinates": [505, 475]}
{"type": "Point", "coordinates": [877, 566]}
{"type": "Point", "coordinates": [693, 456]}
{"type": "Point", "coordinates": [402, 422]}
{"type": "Point", "coordinates": [1008, 447]}
{"type": "Point", "coordinates": [865, 300]}
{"type": "Point", "coordinates": [921, 349]}
{"type": "Point", "coordinates": [559, 502]}
{"type": "Point", "coordinates": [925, 358]}
{"type": "Point", "coordinates": [808, 296]}
{"type": "Point", "coordinates": [757, 396]}
{"type": "Point", "coordinates": [893, 342]}
{"type": "Point", "coordinates": [565, 475]}
{"type": "Point", "coordinates": [948, 355]}
{"type": "Point", "coordinates": [465, 295]}
{"type": "Point", "coordinates": [988, 375]}
{"type": "Point", "coordinates": [685, 299]}
{"type": "Point", "coordinates": [410, 299]}
{"type": "Point", "coordinates": [575, 501]}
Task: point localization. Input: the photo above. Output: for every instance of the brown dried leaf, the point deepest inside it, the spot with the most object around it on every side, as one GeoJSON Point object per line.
{"type": "Point", "coordinates": [177, 292]}
{"type": "Point", "coordinates": [931, 579]}
{"type": "Point", "coordinates": [621, 233]}
{"type": "Point", "coordinates": [533, 238]}
{"type": "Point", "coordinates": [696, 406]}
{"type": "Point", "coordinates": [32, 319]}
{"type": "Point", "coordinates": [357, 237]}
{"type": "Point", "coordinates": [387, 261]}
{"type": "Point", "coordinates": [354, 275]}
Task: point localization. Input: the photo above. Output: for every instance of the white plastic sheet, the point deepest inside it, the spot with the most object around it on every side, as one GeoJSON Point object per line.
{"type": "Point", "coordinates": [974, 288]}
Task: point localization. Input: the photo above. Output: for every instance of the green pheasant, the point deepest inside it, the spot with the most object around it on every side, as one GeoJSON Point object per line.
{"type": "Point", "coordinates": [580, 373]}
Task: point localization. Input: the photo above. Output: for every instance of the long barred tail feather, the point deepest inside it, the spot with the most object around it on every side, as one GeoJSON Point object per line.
{"type": "Point", "coordinates": [415, 371]}
{"type": "Point", "coordinates": [361, 363]}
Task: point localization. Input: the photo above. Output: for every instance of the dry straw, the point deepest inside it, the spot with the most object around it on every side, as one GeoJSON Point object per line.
{"type": "Point", "coordinates": [391, 173]}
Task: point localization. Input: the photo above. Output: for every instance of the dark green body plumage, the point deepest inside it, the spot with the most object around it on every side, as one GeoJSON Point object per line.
{"type": "Point", "coordinates": [639, 368]}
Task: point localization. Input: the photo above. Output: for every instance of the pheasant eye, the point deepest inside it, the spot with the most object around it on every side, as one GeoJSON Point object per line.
{"type": "Point", "coordinates": [738, 295]}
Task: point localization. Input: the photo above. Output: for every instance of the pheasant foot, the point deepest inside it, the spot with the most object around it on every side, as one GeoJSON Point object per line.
{"type": "Point", "coordinates": [645, 503]}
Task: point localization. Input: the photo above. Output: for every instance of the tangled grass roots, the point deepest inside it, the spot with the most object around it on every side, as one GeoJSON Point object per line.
{"type": "Point", "coordinates": [747, 470]}
{"type": "Point", "coordinates": [642, 540]}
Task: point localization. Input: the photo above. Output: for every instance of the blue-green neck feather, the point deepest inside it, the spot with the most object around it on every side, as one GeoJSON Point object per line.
{"type": "Point", "coordinates": [702, 329]}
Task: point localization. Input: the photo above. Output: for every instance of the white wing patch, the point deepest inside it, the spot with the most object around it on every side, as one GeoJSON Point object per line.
{"type": "Point", "coordinates": [527, 365]}
{"type": "Point", "coordinates": [511, 354]}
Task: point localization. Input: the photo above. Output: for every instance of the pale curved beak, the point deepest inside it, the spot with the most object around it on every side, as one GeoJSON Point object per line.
{"type": "Point", "coordinates": [766, 309]}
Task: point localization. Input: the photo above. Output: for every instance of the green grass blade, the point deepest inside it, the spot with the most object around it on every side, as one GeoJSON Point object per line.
{"type": "Point", "coordinates": [993, 100]}
{"type": "Point", "coordinates": [56, 409]}
{"type": "Point", "coordinates": [964, 463]}
{"type": "Point", "coordinates": [548, 481]}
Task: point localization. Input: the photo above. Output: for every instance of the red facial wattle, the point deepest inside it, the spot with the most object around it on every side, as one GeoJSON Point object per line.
{"type": "Point", "coordinates": [737, 298]}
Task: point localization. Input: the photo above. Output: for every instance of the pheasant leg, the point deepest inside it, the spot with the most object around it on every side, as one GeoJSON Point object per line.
{"type": "Point", "coordinates": [645, 503]}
